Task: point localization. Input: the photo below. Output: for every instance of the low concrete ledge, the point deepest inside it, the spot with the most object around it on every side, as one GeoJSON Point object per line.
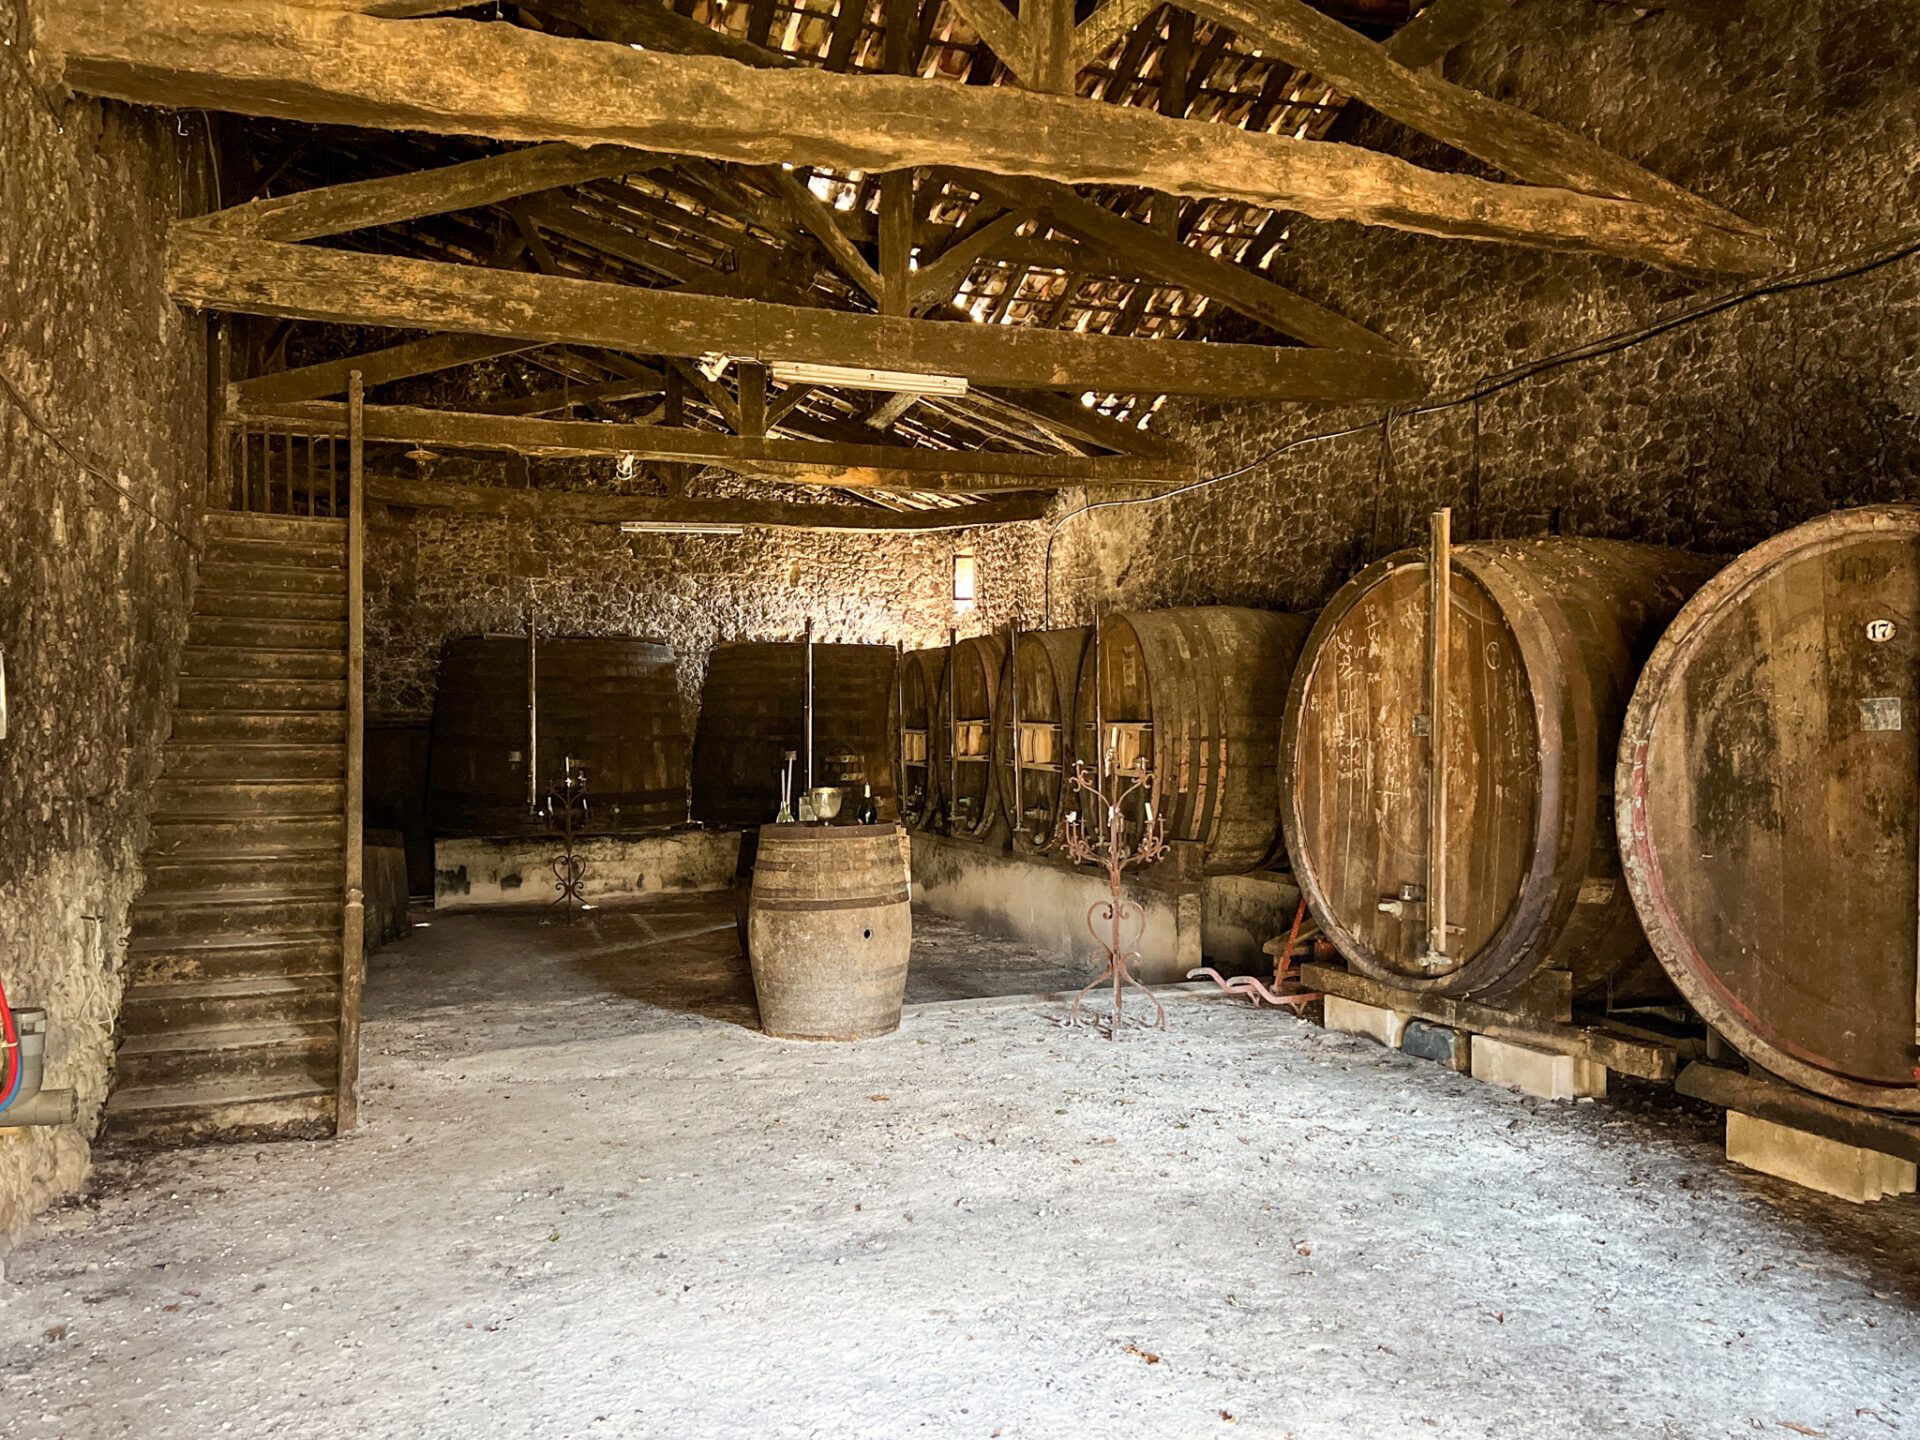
{"type": "Point", "coordinates": [483, 872]}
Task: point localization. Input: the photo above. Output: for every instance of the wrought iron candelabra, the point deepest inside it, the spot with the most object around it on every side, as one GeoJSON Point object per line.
{"type": "Point", "coordinates": [1108, 847]}
{"type": "Point", "coordinates": [565, 808]}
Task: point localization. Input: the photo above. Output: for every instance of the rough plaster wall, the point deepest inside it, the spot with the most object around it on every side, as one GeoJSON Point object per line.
{"type": "Point", "coordinates": [432, 575]}
{"type": "Point", "coordinates": [1799, 116]}
{"type": "Point", "coordinates": [93, 589]}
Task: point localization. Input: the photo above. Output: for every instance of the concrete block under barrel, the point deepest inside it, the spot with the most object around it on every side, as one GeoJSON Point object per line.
{"type": "Point", "coordinates": [829, 930]}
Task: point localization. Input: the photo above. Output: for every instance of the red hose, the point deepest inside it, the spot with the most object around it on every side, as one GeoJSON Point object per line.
{"type": "Point", "coordinates": [10, 1045]}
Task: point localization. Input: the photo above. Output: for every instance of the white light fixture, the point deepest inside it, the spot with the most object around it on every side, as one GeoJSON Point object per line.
{"type": "Point", "coordinates": [713, 364]}
{"type": "Point", "coordinates": [626, 465]}
{"type": "Point", "coordinates": [678, 527]}
{"type": "Point", "coordinates": [855, 377]}
{"type": "Point", "coordinates": [966, 581]}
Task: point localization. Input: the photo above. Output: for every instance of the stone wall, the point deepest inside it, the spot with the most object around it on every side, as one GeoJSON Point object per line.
{"type": "Point", "coordinates": [93, 583]}
{"type": "Point", "coordinates": [1800, 117]}
{"type": "Point", "coordinates": [432, 575]}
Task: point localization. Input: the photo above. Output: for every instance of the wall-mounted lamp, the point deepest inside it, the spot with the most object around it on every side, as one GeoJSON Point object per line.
{"type": "Point", "coordinates": [966, 581]}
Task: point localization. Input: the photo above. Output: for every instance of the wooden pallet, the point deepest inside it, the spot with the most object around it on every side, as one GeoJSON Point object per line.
{"type": "Point", "coordinates": [1767, 1098]}
{"type": "Point", "coordinates": [1626, 1049]}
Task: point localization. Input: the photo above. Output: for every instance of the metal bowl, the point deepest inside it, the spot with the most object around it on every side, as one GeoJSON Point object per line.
{"type": "Point", "coordinates": [826, 801]}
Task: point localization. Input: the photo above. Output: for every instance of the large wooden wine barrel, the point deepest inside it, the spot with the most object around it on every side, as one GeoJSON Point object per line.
{"type": "Point", "coordinates": [1545, 639]}
{"type": "Point", "coordinates": [829, 930]}
{"type": "Point", "coordinates": [1768, 774]}
{"type": "Point", "coordinates": [916, 705]}
{"type": "Point", "coordinates": [1197, 695]}
{"type": "Point", "coordinates": [611, 704]}
{"type": "Point", "coordinates": [1036, 695]}
{"type": "Point", "coordinates": [963, 743]}
{"type": "Point", "coordinates": [753, 710]}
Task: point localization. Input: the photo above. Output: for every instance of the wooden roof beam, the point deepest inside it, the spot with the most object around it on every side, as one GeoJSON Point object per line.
{"type": "Point", "coordinates": [463, 77]}
{"type": "Point", "coordinates": [498, 502]}
{"type": "Point", "coordinates": [264, 277]}
{"type": "Point", "coordinates": [363, 204]}
{"type": "Point", "coordinates": [377, 367]}
{"type": "Point", "coordinates": [1524, 145]}
{"type": "Point", "coordinates": [801, 462]}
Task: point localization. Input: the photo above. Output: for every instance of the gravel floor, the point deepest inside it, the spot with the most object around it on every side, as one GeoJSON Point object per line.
{"type": "Point", "coordinates": [587, 1200]}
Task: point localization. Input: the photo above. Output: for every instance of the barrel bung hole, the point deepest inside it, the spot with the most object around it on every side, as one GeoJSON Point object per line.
{"type": "Point", "coordinates": [866, 934]}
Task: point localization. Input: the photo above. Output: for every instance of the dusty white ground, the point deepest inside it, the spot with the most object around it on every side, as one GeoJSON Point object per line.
{"type": "Point", "coordinates": [575, 1212]}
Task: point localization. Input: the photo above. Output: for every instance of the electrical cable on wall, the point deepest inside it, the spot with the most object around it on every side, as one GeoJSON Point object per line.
{"type": "Point", "coordinates": [1844, 267]}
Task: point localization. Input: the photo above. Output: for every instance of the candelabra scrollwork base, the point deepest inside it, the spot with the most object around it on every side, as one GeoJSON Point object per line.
{"type": "Point", "coordinates": [1108, 847]}
{"type": "Point", "coordinates": [565, 810]}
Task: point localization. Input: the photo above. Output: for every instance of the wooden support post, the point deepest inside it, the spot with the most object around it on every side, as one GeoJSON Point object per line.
{"type": "Point", "coordinates": [753, 400]}
{"type": "Point", "coordinates": [953, 727]}
{"type": "Point", "coordinates": [896, 242]}
{"type": "Point", "coordinates": [1439, 632]}
{"type": "Point", "coordinates": [353, 952]}
{"type": "Point", "coordinates": [1013, 712]}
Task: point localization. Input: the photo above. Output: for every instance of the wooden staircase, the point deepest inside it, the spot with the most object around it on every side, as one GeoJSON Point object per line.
{"type": "Point", "coordinates": [233, 1018]}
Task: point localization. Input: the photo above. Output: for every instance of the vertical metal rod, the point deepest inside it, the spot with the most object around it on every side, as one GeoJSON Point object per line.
{"type": "Point", "coordinates": [353, 957]}
{"type": "Point", "coordinates": [313, 444]}
{"type": "Point", "coordinates": [808, 712]}
{"type": "Point", "coordinates": [1439, 630]}
{"type": "Point", "coordinates": [240, 502]}
{"type": "Point", "coordinates": [1099, 729]}
{"type": "Point", "coordinates": [900, 729]}
{"type": "Point", "coordinates": [953, 728]}
{"type": "Point", "coordinates": [533, 705]}
{"type": "Point", "coordinates": [220, 367]}
{"type": "Point", "coordinates": [1019, 823]}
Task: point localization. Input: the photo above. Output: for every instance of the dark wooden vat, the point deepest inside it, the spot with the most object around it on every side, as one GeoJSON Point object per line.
{"type": "Point", "coordinates": [1036, 693]}
{"type": "Point", "coordinates": [829, 930]}
{"type": "Point", "coordinates": [963, 742]}
{"type": "Point", "coordinates": [753, 710]}
{"type": "Point", "coordinates": [611, 704]}
{"type": "Point", "coordinates": [1545, 638]}
{"type": "Point", "coordinates": [916, 703]}
{"type": "Point", "coordinates": [1768, 774]}
{"type": "Point", "coordinates": [1197, 694]}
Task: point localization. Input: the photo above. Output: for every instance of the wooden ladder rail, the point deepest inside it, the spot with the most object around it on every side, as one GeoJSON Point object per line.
{"type": "Point", "coordinates": [353, 955]}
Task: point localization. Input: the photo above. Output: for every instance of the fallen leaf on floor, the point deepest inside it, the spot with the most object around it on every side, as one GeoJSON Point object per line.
{"type": "Point", "coordinates": [1227, 1415]}
{"type": "Point", "coordinates": [1799, 1429]}
{"type": "Point", "coordinates": [1146, 1355]}
{"type": "Point", "coordinates": [879, 1097]}
{"type": "Point", "coordinates": [57, 1332]}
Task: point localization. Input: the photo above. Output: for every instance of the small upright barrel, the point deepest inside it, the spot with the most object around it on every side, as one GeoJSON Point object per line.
{"type": "Point", "coordinates": [1545, 638]}
{"type": "Point", "coordinates": [916, 699]}
{"type": "Point", "coordinates": [963, 744]}
{"type": "Point", "coordinates": [753, 710]}
{"type": "Point", "coordinates": [611, 704]}
{"type": "Point", "coordinates": [1197, 694]}
{"type": "Point", "coordinates": [1036, 697]}
{"type": "Point", "coordinates": [1768, 770]}
{"type": "Point", "coordinates": [829, 930]}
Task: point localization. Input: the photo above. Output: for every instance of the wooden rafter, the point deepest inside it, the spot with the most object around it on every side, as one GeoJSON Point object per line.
{"type": "Point", "coordinates": [1522, 144]}
{"type": "Point", "coordinates": [456, 76]}
{"type": "Point", "coordinates": [595, 508]}
{"type": "Point", "coordinates": [865, 467]}
{"type": "Point", "coordinates": [262, 277]}
{"type": "Point", "coordinates": [377, 367]}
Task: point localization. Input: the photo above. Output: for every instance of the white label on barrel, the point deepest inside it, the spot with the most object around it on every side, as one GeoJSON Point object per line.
{"type": "Point", "coordinates": [1879, 630]}
{"type": "Point", "coordinates": [1880, 712]}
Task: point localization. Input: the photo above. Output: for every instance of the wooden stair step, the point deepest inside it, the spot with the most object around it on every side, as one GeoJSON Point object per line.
{"type": "Point", "coordinates": [241, 524]}
{"type": "Point", "coordinates": [269, 605]}
{"type": "Point", "coordinates": [253, 760]}
{"type": "Point", "coordinates": [317, 953]}
{"type": "Point", "coordinates": [276, 1054]}
{"type": "Point", "coordinates": [216, 575]}
{"type": "Point", "coordinates": [245, 837]}
{"type": "Point", "coordinates": [233, 662]}
{"type": "Point", "coordinates": [318, 870]}
{"type": "Point", "coordinates": [267, 633]}
{"type": "Point", "coordinates": [254, 696]}
{"type": "Point", "coordinates": [228, 1109]}
{"type": "Point", "coordinates": [318, 552]}
{"type": "Point", "coordinates": [183, 917]}
{"type": "Point", "coordinates": [242, 727]}
{"type": "Point", "coordinates": [229, 1002]}
{"type": "Point", "coordinates": [241, 799]}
